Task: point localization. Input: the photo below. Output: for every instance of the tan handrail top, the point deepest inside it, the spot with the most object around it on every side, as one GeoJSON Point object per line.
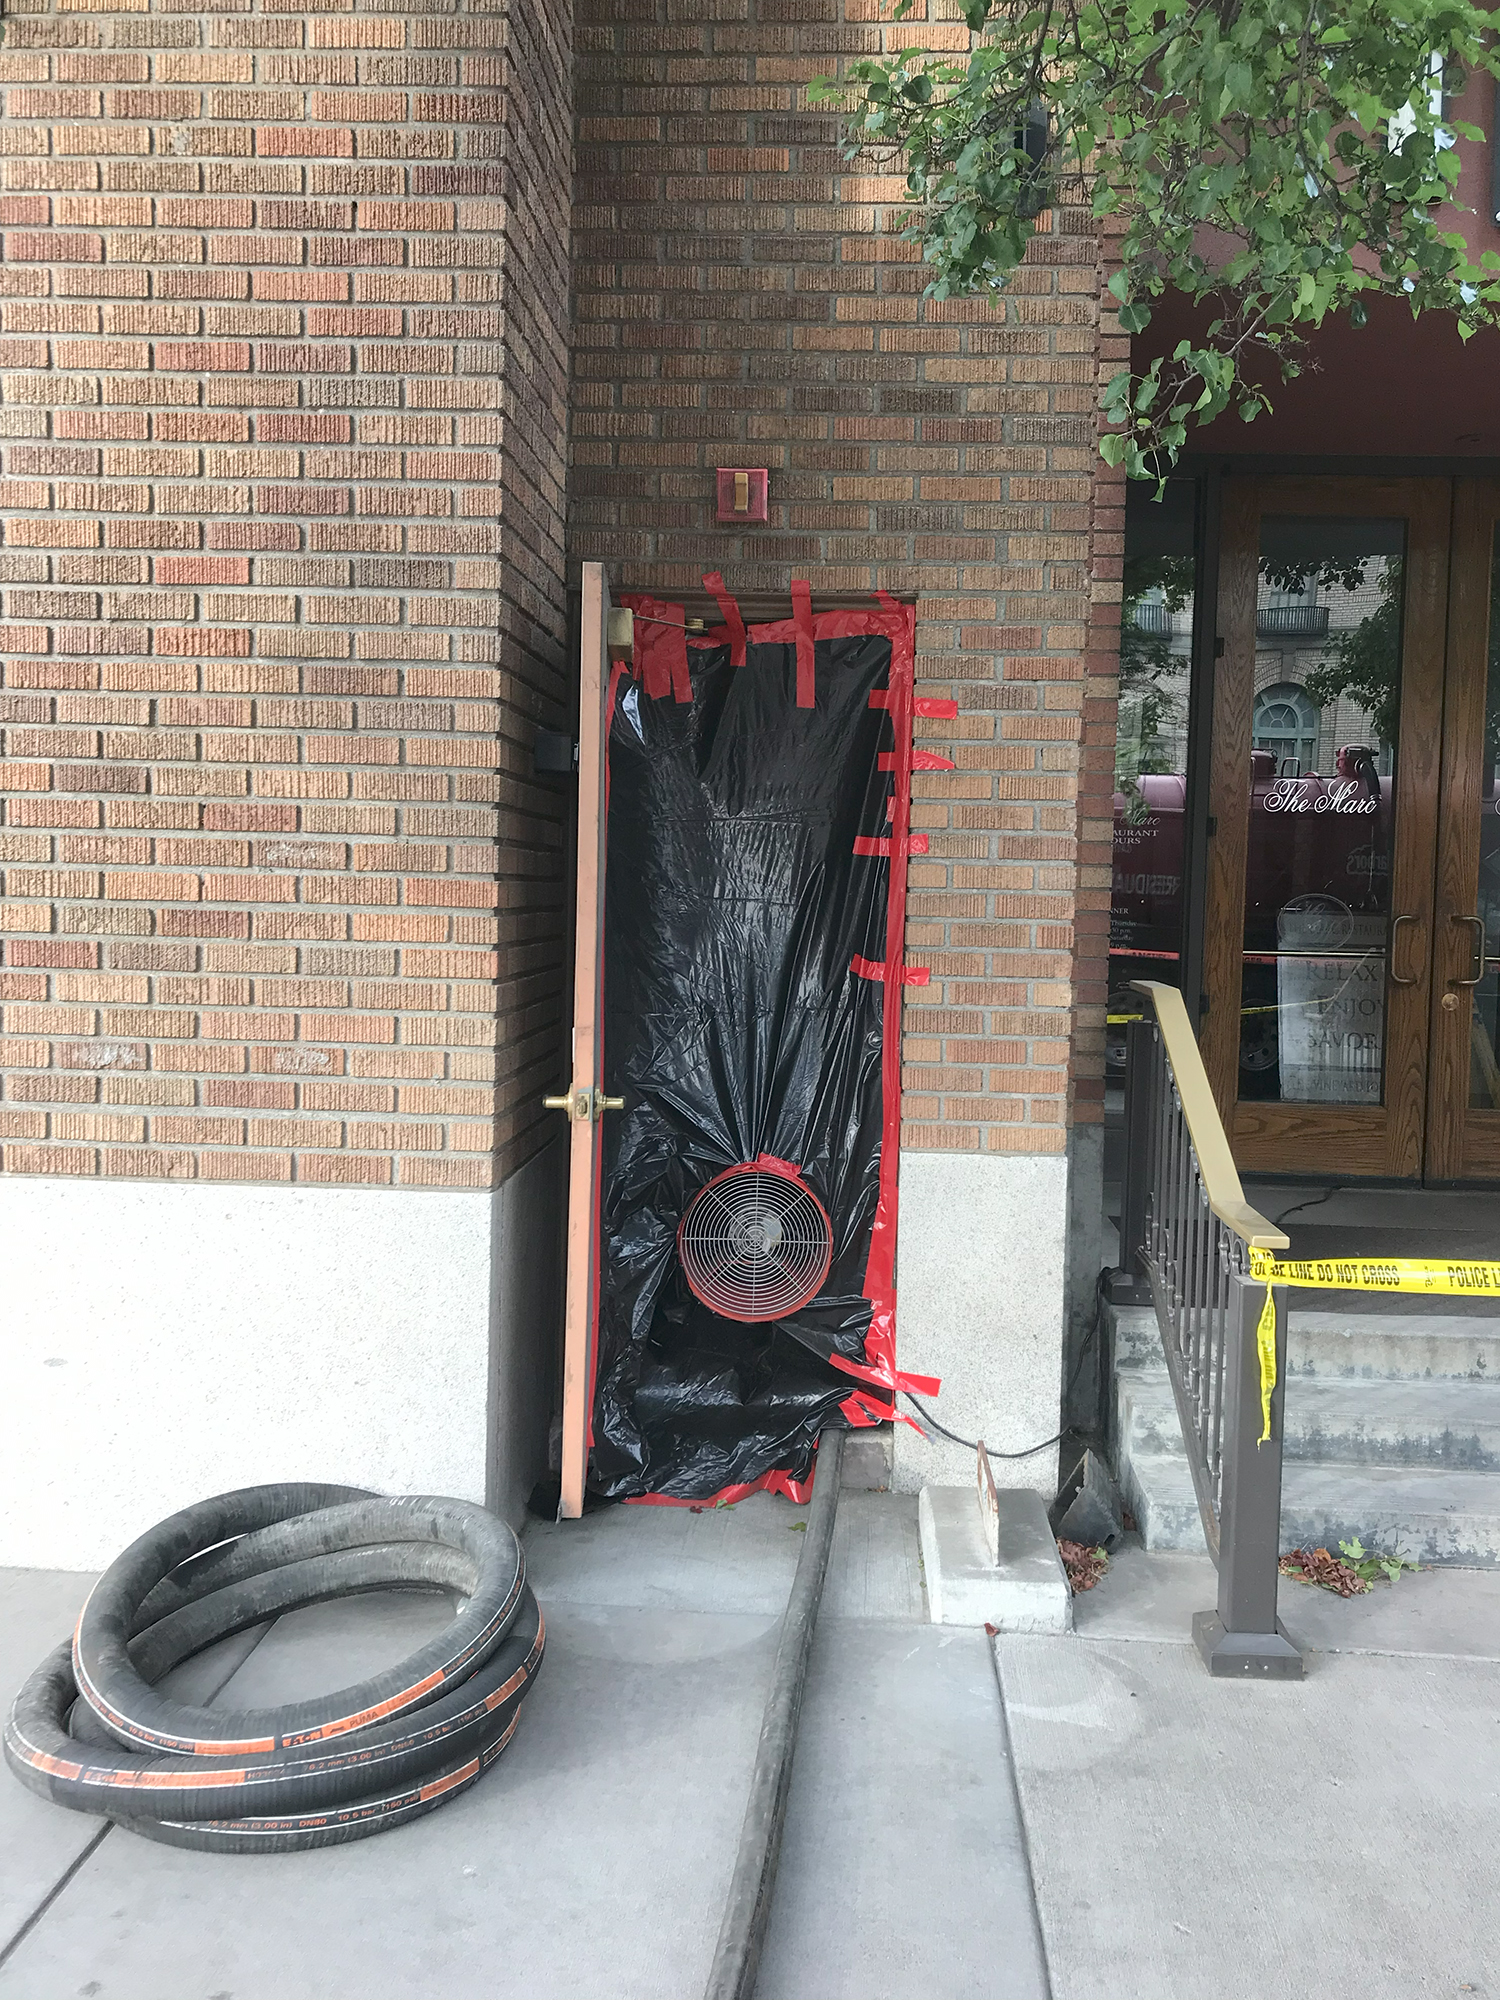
{"type": "Point", "coordinates": [1205, 1127]}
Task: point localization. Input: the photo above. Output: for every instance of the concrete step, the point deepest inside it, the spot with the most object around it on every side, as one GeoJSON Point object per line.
{"type": "Point", "coordinates": [1342, 1420]}
{"type": "Point", "coordinates": [1440, 1516]}
{"type": "Point", "coordinates": [1388, 1346]}
{"type": "Point", "coordinates": [1394, 1346]}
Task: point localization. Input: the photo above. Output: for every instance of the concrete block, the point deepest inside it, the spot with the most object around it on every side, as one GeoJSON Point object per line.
{"type": "Point", "coordinates": [1026, 1592]}
{"type": "Point", "coordinates": [867, 1461]}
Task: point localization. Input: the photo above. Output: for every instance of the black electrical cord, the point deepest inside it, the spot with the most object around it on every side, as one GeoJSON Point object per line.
{"type": "Point", "coordinates": [1315, 1201]}
{"type": "Point", "coordinates": [969, 1444]}
{"type": "Point", "coordinates": [1032, 1449]}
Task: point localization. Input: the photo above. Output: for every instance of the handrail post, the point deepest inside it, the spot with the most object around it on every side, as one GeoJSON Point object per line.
{"type": "Point", "coordinates": [1127, 1284]}
{"type": "Point", "coordinates": [1244, 1637]}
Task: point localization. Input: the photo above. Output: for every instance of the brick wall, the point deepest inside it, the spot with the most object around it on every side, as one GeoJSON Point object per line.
{"type": "Point", "coordinates": [1096, 821]}
{"type": "Point", "coordinates": [283, 364]}
{"type": "Point", "coordinates": [743, 298]}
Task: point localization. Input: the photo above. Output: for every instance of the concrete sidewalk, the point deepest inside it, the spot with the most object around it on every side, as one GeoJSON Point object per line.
{"type": "Point", "coordinates": [593, 1862]}
{"type": "Point", "coordinates": [1335, 1836]}
{"type": "Point", "coordinates": [1186, 1839]}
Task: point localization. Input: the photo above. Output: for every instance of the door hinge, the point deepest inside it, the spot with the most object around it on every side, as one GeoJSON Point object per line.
{"type": "Point", "coordinates": [553, 753]}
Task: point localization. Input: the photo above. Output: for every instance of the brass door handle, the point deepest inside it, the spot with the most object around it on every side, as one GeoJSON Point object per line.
{"type": "Point", "coordinates": [584, 1103]}
{"type": "Point", "coordinates": [578, 1104]}
{"type": "Point", "coordinates": [1408, 917]}
{"type": "Point", "coordinates": [1477, 952]}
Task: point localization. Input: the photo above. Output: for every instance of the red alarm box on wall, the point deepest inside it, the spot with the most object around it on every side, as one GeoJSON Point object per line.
{"type": "Point", "coordinates": [743, 495]}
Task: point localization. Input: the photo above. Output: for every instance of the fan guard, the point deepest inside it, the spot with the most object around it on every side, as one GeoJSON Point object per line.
{"type": "Point", "coordinates": [755, 1242]}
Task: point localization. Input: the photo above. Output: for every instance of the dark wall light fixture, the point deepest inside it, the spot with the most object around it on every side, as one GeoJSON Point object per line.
{"type": "Point", "coordinates": [744, 496]}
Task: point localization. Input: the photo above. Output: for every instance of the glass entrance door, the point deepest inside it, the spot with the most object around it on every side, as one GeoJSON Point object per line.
{"type": "Point", "coordinates": [1323, 939]}
{"type": "Point", "coordinates": [1463, 1123]}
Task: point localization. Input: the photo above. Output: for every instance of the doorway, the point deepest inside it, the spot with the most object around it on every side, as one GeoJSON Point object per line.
{"type": "Point", "coordinates": [1351, 938]}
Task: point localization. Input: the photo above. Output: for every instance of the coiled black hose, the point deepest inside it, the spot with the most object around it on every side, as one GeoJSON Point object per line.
{"type": "Point", "coordinates": [88, 1729]}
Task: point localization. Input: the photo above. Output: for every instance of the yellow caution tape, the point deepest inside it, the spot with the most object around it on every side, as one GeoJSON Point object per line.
{"type": "Point", "coordinates": [1450, 1275]}
{"type": "Point", "coordinates": [1265, 1347]}
{"type": "Point", "coordinates": [1378, 1274]}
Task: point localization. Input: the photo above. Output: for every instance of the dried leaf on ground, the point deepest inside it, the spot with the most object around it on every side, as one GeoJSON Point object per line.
{"type": "Point", "coordinates": [1324, 1571]}
{"type": "Point", "coordinates": [1084, 1565]}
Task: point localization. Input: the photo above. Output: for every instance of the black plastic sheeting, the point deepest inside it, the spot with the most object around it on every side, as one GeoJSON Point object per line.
{"type": "Point", "coordinates": [734, 1026]}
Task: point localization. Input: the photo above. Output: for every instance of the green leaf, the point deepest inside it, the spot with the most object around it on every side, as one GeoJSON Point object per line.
{"type": "Point", "coordinates": [1261, 128]}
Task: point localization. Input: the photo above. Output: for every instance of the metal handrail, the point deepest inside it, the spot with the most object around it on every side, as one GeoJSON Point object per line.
{"type": "Point", "coordinates": [1187, 1230]}
{"type": "Point", "coordinates": [1221, 1180]}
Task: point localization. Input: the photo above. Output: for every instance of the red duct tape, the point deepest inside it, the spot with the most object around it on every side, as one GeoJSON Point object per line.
{"type": "Point", "coordinates": [889, 1377]}
{"type": "Point", "coordinates": [729, 611]}
{"type": "Point", "coordinates": [862, 1411]}
{"type": "Point", "coordinates": [921, 760]}
{"type": "Point", "coordinates": [807, 696]}
{"type": "Point", "coordinates": [880, 1269]}
{"type": "Point", "coordinates": [873, 968]}
{"type": "Point", "coordinates": [661, 647]}
{"type": "Point", "coordinates": [928, 705]}
{"type": "Point", "coordinates": [876, 844]}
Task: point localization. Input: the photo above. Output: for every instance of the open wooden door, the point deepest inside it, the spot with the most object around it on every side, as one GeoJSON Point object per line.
{"type": "Point", "coordinates": [586, 1102]}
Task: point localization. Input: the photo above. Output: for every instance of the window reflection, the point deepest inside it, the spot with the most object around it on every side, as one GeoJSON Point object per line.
{"type": "Point", "coordinates": [1322, 805]}
{"type": "Point", "coordinates": [1156, 637]}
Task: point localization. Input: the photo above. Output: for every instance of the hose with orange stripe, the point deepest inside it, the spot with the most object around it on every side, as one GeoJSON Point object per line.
{"type": "Point", "coordinates": [310, 1773]}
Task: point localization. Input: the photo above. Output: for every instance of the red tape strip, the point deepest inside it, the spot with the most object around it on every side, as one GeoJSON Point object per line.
{"type": "Point", "coordinates": [729, 611]}
{"type": "Point", "coordinates": [807, 695]}
{"type": "Point", "coordinates": [889, 1378]}
{"type": "Point", "coordinates": [661, 642]}
{"type": "Point", "coordinates": [876, 844]}
{"type": "Point", "coordinates": [938, 711]}
{"type": "Point", "coordinates": [921, 760]}
{"type": "Point", "coordinates": [872, 968]}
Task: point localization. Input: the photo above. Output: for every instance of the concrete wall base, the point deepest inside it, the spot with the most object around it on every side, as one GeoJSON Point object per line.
{"type": "Point", "coordinates": [980, 1289]}
{"type": "Point", "coordinates": [166, 1342]}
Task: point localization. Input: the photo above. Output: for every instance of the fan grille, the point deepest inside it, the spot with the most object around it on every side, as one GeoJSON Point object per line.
{"type": "Point", "coordinates": [755, 1243]}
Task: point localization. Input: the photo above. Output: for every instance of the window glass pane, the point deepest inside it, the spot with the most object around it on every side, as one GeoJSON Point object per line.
{"type": "Point", "coordinates": [1322, 810]}
{"type": "Point", "coordinates": [1484, 1036]}
{"type": "Point", "coordinates": [1156, 638]}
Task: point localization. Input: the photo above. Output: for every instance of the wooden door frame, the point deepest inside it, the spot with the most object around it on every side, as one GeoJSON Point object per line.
{"type": "Point", "coordinates": [1383, 1140]}
{"type": "Point", "coordinates": [586, 1082]}
{"type": "Point", "coordinates": [1462, 1144]}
